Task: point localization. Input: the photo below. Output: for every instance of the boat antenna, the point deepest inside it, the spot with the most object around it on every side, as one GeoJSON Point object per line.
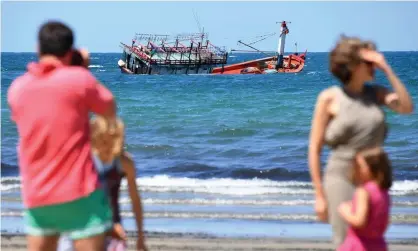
{"type": "Point", "coordinates": [196, 19]}
{"type": "Point", "coordinates": [199, 27]}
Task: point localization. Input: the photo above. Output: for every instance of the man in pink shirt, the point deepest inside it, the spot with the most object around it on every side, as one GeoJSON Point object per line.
{"type": "Point", "coordinates": [50, 105]}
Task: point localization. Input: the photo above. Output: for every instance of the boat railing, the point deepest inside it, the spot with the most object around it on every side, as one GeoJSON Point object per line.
{"type": "Point", "coordinates": [203, 56]}
{"type": "Point", "coordinates": [206, 61]}
{"type": "Point", "coordinates": [137, 52]}
{"type": "Point", "coordinates": [217, 50]}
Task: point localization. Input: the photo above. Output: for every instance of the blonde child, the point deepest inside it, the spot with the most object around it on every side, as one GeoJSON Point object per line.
{"type": "Point", "coordinates": [113, 164]}
{"type": "Point", "coordinates": [368, 213]}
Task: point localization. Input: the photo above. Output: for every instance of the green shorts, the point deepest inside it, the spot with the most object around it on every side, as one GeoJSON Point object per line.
{"type": "Point", "coordinates": [78, 219]}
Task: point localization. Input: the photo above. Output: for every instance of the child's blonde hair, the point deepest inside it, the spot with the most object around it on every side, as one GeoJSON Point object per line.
{"type": "Point", "coordinates": [106, 142]}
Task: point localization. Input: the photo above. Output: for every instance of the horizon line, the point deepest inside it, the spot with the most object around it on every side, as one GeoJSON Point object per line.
{"type": "Point", "coordinates": [113, 52]}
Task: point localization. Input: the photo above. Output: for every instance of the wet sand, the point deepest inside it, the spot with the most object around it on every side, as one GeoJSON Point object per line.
{"type": "Point", "coordinates": [177, 242]}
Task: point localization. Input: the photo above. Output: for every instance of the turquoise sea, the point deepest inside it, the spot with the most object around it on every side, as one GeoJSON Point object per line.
{"type": "Point", "coordinates": [226, 155]}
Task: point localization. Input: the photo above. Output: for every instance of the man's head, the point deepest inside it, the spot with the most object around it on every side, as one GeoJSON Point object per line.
{"type": "Point", "coordinates": [55, 39]}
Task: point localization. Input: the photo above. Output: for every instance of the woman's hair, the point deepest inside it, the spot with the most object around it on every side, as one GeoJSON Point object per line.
{"type": "Point", "coordinates": [380, 166]}
{"type": "Point", "coordinates": [345, 56]}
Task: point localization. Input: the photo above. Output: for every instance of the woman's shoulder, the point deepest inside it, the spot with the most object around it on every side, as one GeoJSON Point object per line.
{"type": "Point", "coordinates": [329, 93]}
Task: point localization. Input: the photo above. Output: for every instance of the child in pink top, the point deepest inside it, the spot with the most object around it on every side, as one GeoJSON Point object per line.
{"type": "Point", "coordinates": [368, 212]}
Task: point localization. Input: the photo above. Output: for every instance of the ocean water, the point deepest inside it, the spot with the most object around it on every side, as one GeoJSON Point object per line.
{"type": "Point", "coordinates": [226, 155]}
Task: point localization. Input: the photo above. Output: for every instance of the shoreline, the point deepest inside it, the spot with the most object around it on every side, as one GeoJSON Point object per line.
{"type": "Point", "coordinates": [191, 241]}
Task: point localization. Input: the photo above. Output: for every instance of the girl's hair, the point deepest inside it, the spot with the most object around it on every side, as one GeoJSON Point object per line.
{"type": "Point", "coordinates": [380, 166]}
{"type": "Point", "coordinates": [107, 146]}
{"type": "Point", "coordinates": [345, 56]}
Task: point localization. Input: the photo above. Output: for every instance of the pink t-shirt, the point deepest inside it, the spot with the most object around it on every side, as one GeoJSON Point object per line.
{"type": "Point", "coordinates": [371, 236]}
{"type": "Point", "coordinates": [50, 105]}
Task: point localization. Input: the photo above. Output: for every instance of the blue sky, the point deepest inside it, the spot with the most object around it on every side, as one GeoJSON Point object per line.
{"type": "Point", "coordinates": [100, 26]}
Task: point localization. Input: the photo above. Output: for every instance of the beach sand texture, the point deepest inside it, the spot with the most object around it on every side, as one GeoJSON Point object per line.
{"type": "Point", "coordinates": [177, 242]}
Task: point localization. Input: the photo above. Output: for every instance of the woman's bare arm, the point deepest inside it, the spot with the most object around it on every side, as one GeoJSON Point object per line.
{"type": "Point", "coordinates": [400, 101]}
{"type": "Point", "coordinates": [320, 120]}
{"type": "Point", "coordinates": [358, 218]}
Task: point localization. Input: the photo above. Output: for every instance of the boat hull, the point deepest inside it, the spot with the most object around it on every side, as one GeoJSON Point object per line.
{"type": "Point", "coordinates": [291, 64]}
{"type": "Point", "coordinates": [125, 70]}
{"type": "Point", "coordinates": [167, 70]}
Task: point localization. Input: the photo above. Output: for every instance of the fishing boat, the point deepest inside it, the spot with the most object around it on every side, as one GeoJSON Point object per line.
{"type": "Point", "coordinates": [162, 54]}
{"type": "Point", "coordinates": [292, 63]}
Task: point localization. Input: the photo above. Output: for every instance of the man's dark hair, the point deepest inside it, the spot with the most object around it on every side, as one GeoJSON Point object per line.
{"type": "Point", "coordinates": [55, 38]}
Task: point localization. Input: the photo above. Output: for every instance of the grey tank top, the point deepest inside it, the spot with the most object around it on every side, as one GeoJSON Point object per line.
{"type": "Point", "coordinates": [359, 123]}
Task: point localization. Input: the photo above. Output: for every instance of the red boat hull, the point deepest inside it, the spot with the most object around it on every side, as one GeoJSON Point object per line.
{"type": "Point", "coordinates": [291, 64]}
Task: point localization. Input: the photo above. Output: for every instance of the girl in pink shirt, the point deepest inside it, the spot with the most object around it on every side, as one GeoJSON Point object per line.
{"type": "Point", "coordinates": [368, 213]}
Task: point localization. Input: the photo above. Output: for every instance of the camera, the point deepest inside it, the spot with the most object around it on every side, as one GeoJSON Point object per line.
{"type": "Point", "coordinates": [78, 59]}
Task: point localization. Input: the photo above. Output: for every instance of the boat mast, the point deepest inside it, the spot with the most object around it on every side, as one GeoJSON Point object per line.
{"type": "Point", "coordinates": [280, 49]}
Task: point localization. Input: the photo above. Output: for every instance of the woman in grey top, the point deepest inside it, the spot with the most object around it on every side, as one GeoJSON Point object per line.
{"type": "Point", "coordinates": [348, 118]}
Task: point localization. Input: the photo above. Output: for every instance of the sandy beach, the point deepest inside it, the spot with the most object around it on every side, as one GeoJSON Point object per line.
{"type": "Point", "coordinates": [176, 242]}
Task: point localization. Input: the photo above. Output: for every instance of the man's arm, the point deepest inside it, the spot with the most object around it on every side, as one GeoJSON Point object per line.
{"type": "Point", "coordinates": [13, 97]}
{"type": "Point", "coordinates": [100, 100]}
